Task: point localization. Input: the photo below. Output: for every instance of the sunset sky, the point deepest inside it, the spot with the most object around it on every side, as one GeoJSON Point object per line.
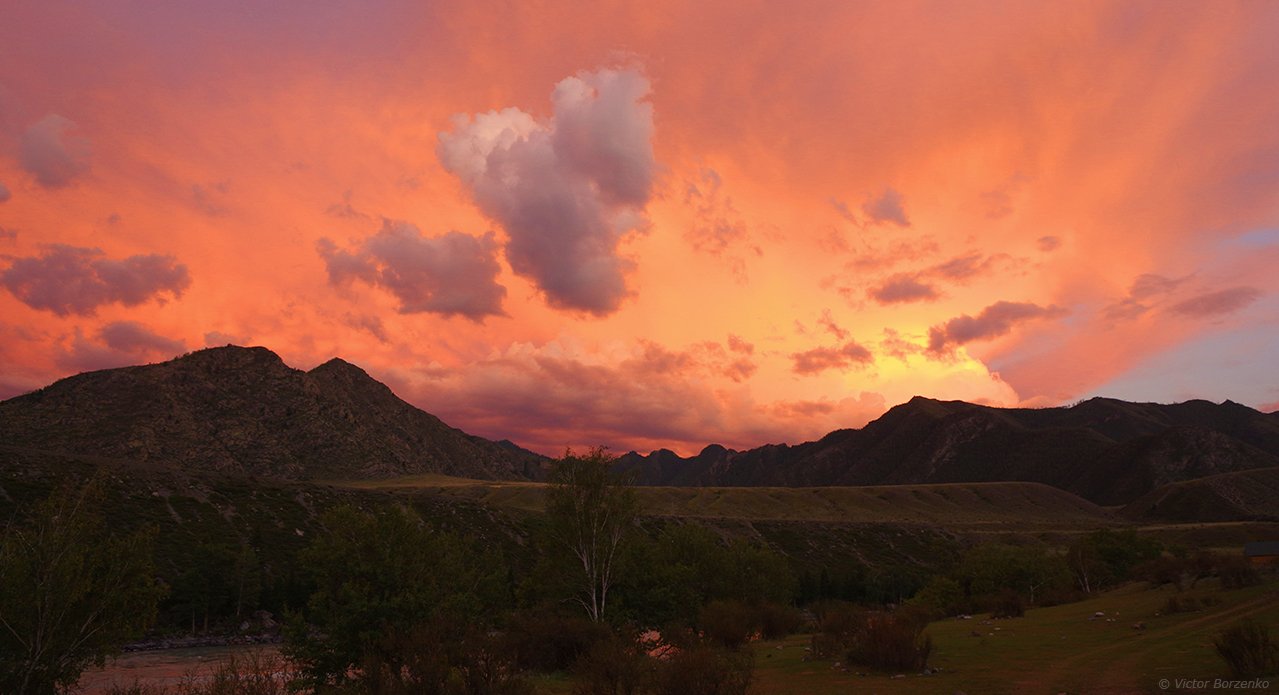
{"type": "Point", "coordinates": [652, 224]}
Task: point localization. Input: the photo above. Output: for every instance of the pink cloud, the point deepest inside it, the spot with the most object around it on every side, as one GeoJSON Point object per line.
{"type": "Point", "coordinates": [568, 189]}
{"type": "Point", "coordinates": [737, 344]}
{"type": "Point", "coordinates": [1218, 303]}
{"type": "Point", "coordinates": [451, 275]}
{"type": "Point", "coordinates": [54, 152]}
{"type": "Point", "coordinates": [994, 321]}
{"type": "Point", "coordinates": [1048, 243]}
{"type": "Point", "coordinates": [118, 344]}
{"type": "Point", "coordinates": [963, 267]}
{"type": "Point", "coordinates": [820, 359]}
{"type": "Point", "coordinates": [889, 206]}
{"type": "Point", "coordinates": [902, 287]}
{"type": "Point", "coordinates": [72, 280]}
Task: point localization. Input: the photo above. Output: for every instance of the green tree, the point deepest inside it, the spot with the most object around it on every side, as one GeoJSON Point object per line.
{"type": "Point", "coordinates": [986, 570]}
{"type": "Point", "coordinates": [71, 591]}
{"type": "Point", "coordinates": [390, 595]}
{"type": "Point", "coordinates": [590, 511]}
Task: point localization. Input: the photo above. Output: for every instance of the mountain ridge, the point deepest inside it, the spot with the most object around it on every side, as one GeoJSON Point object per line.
{"type": "Point", "coordinates": [1105, 450]}
{"type": "Point", "coordinates": [238, 409]}
{"type": "Point", "coordinates": [243, 410]}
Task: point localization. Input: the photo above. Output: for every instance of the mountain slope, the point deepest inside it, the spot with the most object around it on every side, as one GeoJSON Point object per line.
{"type": "Point", "coordinates": [1243, 496]}
{"type": "Point", "coordinates": [242, 410]}
{"type": "Point", "coordinates": [1104, 450]}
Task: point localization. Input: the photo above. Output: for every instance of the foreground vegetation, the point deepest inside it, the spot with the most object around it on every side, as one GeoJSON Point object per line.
{"type": "Point", "coordinates": [1063, 648]}
{"type": "Point", "coordinates": [591, 596]}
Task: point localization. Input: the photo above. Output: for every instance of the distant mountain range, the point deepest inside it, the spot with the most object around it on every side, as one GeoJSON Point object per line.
{"type": "Point", "coordinates": [1107, 451]}
{"type": "Point", "coordinates": [243, 411]}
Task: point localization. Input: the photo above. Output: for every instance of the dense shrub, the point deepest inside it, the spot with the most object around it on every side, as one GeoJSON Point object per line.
{"type": "Point", "coordinates": [1106, 557]}
{"type": "Point", "coordinates": [1007, 604]}
{"type": "Point", "coordinates": [777, 621]}
{"type": "Point", "coordinates": [1249, 650]}
{"type": "Point", "coordinates": [727, 623]}
{"type": "Point", "coordinates": [706, 670]}
{"type": "Point", "coordinates": [1160, 571]}
{"type": "Point", "coordinates": [941, 597]}
{"type": "Point", "coordinates": [1185, 572]}
{"type": "Point", "coordinates": [612, 667]}
{"type": "Point", "coordinates": [543, 640]}
{"type": "Point", "coordinates": [1236, 572]}
{"type": "Point", "coordinates": [407, 661]}
{"type": "Point", "coordinates": [1180, 604]}
{"type": "Point", "coordinates": [485, 667]}
{"type": "Point", "coordinates": [388, 589]}
{"type": "Point", "coordinates": [838, 625]}
{"type": "Point", "coordinates": [891, 643]}
{"type": "Point", "coordinates": [987, 570]}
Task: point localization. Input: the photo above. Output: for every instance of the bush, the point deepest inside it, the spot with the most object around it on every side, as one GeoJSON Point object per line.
{"type": "Point", "coordinates": [1007, 604]}
{"type": "Point", "coordinates": [384, 582]}
{"type": "Point", "coordinates": [1236, 572]}
{"type": "Point", "coordinates": [942, 597]}
{"type": "Point", "coordinates": [542, 640]}
{"type": "Point", "coordinates": [727, 623]}
{"type": "Point", "coordinates": [706, 670]}
{"type": "Point", "coordinates": [405, 662]}
{"type": "Point", "coordinates": [611, 667]}
{"type": "Point", "coordinates": [1183, 604]}
{"type": "Point", "coordinates": [1160, 571]}
{"type": "Point", "coordinates": [486, 668]}
{"type": "Point", "coordinates": [1249, 650]}
{"type": "Point", "coordinates": [889, 643]}
{"type": "Point", "coordinates": [838, 625]}
{"type": "Point", "coordinates": [777, 621]}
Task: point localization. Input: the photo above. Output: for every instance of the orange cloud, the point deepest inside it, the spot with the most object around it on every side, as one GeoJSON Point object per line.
{"type": "Point", "coordinates": [711, 173]}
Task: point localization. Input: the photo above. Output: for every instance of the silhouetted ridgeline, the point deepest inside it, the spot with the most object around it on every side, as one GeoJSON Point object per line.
{"type": "Point", "coordinates": [242, 410]}
{"type": "Point", "coordinates": [1107, 451]}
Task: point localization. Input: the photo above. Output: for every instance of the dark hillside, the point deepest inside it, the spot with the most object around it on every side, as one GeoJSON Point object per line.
{"type": "Point", "coordinates": [1104, 450]}
{"type": "Point", "coordinates": [233, 409]}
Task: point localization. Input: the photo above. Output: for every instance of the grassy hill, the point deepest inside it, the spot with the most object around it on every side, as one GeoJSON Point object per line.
{"type": "Point", "coordinates": [1243, 496]}
{"type": "Point", "coordinates": [950, 505]}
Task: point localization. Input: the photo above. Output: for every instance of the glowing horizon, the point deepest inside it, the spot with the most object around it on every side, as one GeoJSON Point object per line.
{"type": "Point", "coordinates": [651, 226]}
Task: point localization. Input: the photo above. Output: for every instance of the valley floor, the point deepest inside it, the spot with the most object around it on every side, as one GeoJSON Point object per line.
{"type": "Point", "coordinates": [1060, 649]}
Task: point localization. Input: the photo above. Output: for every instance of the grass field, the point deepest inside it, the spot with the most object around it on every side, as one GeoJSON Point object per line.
{"type": "Point", "coordinates": [1049, 650]}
